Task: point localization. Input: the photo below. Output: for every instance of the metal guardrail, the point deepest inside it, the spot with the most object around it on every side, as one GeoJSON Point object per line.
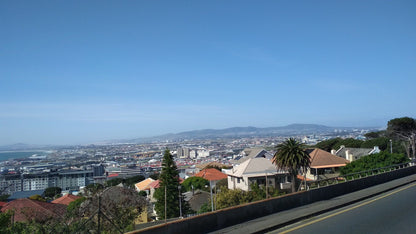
{"type": "Point", "coordinates": [358, 175]}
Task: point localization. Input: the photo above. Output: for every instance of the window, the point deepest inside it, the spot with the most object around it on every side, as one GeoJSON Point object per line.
{"type": "Point", "coordinates": [238, 180]}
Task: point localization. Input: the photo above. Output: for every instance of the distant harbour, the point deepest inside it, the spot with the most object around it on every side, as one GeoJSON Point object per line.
{"type": "Point", "coordinates": [7, 155]}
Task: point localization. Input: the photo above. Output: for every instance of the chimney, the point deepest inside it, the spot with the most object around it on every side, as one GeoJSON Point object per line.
{"type": "Point", "coordinates": [333, 151]}
{"type": "Point", "coordinates": [348, 155]}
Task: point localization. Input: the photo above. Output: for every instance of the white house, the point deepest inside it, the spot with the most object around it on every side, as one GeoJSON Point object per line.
{"type": "Point", "coordinates": [352, 154]}
{"type": "Point", "coordinates": [255, 170]}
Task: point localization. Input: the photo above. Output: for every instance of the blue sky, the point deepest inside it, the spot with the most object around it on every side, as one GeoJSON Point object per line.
{"type": "Point", "coordinates": [85, 71]}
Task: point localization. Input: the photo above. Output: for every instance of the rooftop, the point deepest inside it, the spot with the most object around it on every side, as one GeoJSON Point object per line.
{"type": "Point", "coordinates": [322, 159]}
{"type": "Point", "coordinates": [26, 209]}
{"type": "Point", "coordinates": [66, 199]}
{"type": "Point", "coordinates": [211, 174]}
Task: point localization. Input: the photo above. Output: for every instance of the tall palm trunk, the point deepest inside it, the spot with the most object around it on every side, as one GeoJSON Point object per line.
{"type": "Point", "coordinates": [293, 183]}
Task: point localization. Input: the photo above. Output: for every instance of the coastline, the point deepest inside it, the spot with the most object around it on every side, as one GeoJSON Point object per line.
{"type": "Point", "coordinates": [20, 154]}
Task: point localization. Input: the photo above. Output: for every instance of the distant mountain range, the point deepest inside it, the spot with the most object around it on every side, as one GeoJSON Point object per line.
{"type": "Point", "coordinates": [289, 130]}
{"type": "Point", "coordinates": [235, 132]}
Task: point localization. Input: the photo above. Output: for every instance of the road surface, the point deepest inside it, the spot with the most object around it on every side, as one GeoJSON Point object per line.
{"type": "Point", "coordinates": [391, 212]}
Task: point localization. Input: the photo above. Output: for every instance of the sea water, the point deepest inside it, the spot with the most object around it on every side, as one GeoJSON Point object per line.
{"type": "Point", "coordinates": [6, 155]}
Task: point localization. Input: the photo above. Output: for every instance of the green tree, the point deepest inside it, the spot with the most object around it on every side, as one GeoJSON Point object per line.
{"type": "Point", "coordinates": [72, 209]}
{"type": "Point", "coordinates": [291, 155]}
{"type": "Point", "coordinates": [222, 183]}
{"type": "Point", "coordinates": [373, 135]}
{"type": "Point", "coordinates": [348, 142]}
{"type": "Point", "coordinates": [206, 207]}
{"type": "Point", "coordinates": [92, 189]}
{"type": "Point", "coordinates": [134, 180]}
{"type": "Point", "coordinates": [5, 221]}
{"type": "Point", "coordinates": [4, 197]}
{"type": "Point", "coordinates": [373, 161]}
{"type": "Point", "coordinates": [154, 176]}
{"type": "Point", "coordinates": [114, 182]}
{"type": "Point", "coordinates": [382, 142]}
{"type": "Point", "coordinates": [259, 192]}
{"type": "Point", "coordinates": [143, 193]}
{"type": "Point", "coordinates": [167, 195]}
{"type": "Point", "coordinates": [196, 182]}
{"type": "Point", "coordinates": [404, 129]}
{"type": "Point", "coordinates": [51, 192]}
{"type": "Point", "coordinates": [232, 197]}
{"type": "Point", "coordinates": [328, 145]}
{"type": "Point", "coordinates": [37, 197]}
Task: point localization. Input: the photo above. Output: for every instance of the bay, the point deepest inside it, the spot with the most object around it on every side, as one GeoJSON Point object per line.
{"type": "Point", "coordinates": [6, 155]}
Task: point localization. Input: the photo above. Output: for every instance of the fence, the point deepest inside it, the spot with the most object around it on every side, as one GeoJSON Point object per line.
{"type": "Point", "coordinates": [358, 175]}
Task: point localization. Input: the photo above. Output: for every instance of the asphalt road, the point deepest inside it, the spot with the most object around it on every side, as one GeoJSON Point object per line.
{"type": "Point", "coordinates": [391, 212]}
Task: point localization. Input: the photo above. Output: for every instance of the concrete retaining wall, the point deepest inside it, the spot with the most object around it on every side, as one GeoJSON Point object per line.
{"type": "Point", "coordinates": [231, 216]}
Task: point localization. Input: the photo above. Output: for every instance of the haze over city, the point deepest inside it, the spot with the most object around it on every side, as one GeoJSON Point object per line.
{"type": "Point", "coordinates": [80, 72]}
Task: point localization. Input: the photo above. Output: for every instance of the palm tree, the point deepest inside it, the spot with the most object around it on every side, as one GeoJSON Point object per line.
{"type": "Point", "coordinates": [291, 155]}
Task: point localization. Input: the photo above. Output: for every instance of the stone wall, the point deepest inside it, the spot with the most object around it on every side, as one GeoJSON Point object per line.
{"type": "Point", "coordinates": [234, 215]}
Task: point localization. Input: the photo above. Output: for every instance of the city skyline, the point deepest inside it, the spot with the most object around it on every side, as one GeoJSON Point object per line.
{"type": "Point", "coordinates": [85, 72]}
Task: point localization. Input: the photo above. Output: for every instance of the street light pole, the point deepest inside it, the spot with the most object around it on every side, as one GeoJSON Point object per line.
{"type": "Point", "coordinates": [267, 185]}
{"type": "Point", "coordinates": [180, 202]}
{"type": "Point", "coordinates": [391, 146]}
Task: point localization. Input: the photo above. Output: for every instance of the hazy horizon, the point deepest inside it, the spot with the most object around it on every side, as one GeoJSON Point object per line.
{"type": "Point", "coordinates": [167, 133]}
{"type": "Point", "coordinates": [76, 72]}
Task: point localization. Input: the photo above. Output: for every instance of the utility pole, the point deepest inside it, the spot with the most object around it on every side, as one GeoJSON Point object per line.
{"type": "Point", "coordinates": [306, 186]}
{"type": "Point", "coordinates": [212, 202]}
{"type": "Point", "coordinates": [99, 214]}
{"type": "Point", "coordinates": [165, 203]}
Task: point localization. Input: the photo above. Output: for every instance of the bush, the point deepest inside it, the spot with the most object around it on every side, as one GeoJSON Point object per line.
{"type": "Point", "coordinates": [196, 182]}
{"type": "Point", "coordinates": [374, 161]}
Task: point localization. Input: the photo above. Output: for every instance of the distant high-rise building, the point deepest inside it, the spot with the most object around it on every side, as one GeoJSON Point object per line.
{"type": "Point", "coordinates": [98, 170]}
{"type": "Point", "coordinates": [193, 154]}
{"type": "Point", "coordinates": [186, 152]}
{"type": "Point", "coordinates": [65, 179]}
{"type": "Point", "coordinates": [179, 152]}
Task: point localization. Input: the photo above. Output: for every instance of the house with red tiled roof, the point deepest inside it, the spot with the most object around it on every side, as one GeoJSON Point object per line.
{"type": "Point", "coordinates": [144, 185]}
{"type": "Point", "coordinates": [212, 175]}
{"type": "Point", "coordinates": [324, 164]}
{"type": "Point", "coordinates": [66, 199]}
{"type": "Point", "coordinates": [26, 209]}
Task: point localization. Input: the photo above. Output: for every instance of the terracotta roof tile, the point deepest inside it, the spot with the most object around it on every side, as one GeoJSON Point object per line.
{"type": "Point", "coordinates": [156, 184]}
{"type": "Point", "coordinates": [144, 185]}
{"type": "Point", "coordinates": [323, 159]}
{"type": "Point", "coordinates": [27, 209]}
{"type": "Point", "coordinates": [66, 199]}
{"type": "Point", "coordinates": [211, 174]}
